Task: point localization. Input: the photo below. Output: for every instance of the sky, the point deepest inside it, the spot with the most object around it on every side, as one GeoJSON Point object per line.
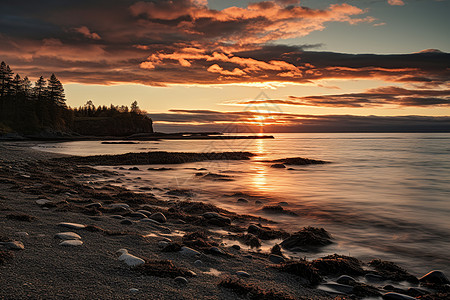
{"type": "Point", "coordinates": [285, 65]}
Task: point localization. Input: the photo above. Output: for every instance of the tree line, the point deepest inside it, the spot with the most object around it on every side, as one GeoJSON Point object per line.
{"type": "Point", "coordinates": [30, 108]}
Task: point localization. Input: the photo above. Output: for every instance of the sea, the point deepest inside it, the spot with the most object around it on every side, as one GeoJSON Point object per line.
{"type": "Point", "coordinates": [383, 195]}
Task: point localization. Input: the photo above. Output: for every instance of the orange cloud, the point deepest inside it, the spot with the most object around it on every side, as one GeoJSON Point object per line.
{"type": "Point", "coordinates": [87, 33]}
{"type": "Point", "coordinates": [396, 2]}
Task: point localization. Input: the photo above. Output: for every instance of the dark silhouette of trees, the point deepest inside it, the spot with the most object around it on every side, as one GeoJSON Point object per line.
{"type": "Point", "coordinates": [25, 108]}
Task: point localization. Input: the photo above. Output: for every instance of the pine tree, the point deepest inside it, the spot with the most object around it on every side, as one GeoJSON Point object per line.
{"type": "Point", "coordinates": [56, 91]}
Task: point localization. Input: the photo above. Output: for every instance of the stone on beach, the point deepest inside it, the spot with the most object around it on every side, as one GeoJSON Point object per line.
{"type": "Point", "coordinates": [242, 274]}
{"type": "Point", "coordinates": [396, 296]}
{"type": "Point", "coordinates": [180, 280]}
{"type": "Point", "coordinates": [43, 202]}
{"type": "Point", "coordinates": [345, 279]}
{"type": "Point", "coordinates": [94, 205]}
{"type": "Point", "coordinates": [129, 259]}
{"type": "Point", "coordinates": [437, 277]}
{"type": "Point", "coordinates": [118, 205]}
{"type": "Point", "coordinates": [67, 236]}
{"type": "Point", "coordinates": [14, 245]}
{"type": "Point", "coordinates": [71, 243]}
{"type": "Point", "coordinates": [217, 219]}
{"type": "Point", "coordinates": [337, 288]}
{"type": "Point", "coordinates": [158, 216]}
{"type": "Point", "coordinates": [72, 225]}
{"type": "Point", "coordinates": [189, 251]}
{"type": "Point", "coordinates": [276, 259]}
{"type": "Point", "coordinates": [278, 166]}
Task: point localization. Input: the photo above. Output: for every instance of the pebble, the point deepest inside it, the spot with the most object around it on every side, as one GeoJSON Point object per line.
{"type": "Point", "coordinates": [145, 212]}
{"type": "Point", "coordinates": [158, 216]}
{"type": "Point", "coordinates": [189, 251]}
{"type": "Point", "coordinates": [129, 259]}
{"type": "Point", "coordinates": [435, 277]}
{"type": "Point", "coordinates": [237, 247]}
{"type": "Point", "coordinates": [94, 205]}
{"type": "Point", "coordinates": [134, 290]}
{"type": "Point", "coordinates": [397, 296]}
{"type": "Point", "coordinates": [14, 245]}
{"type": "Point", "coordinates": [71, 243]}
{"type": "Point", "coordinates": [242, 200]}
{"type": "Point", "coordinates": [276, 259]}
{"type": "Point", "coordinates": [181, 280]}
{"type": "Point", "coordinates": [216, 250]}
{"type": "Point", "coordinates": [126, 222]}
{"type": "Point", "coordinates": [345, 279]}
{"type": "Point", "coordinates": [119, 217]}
{"type": "Point", "coordinates": [121, 205]}
{"type": "Point", "coordinates": [72, 225]}
{"type": "Point", "coordinates": [162, 244]}
{"type": "Point", "coordinates": [242, 274]}
{"type": "Point", "coordinates": [199, 263]}
{"type": "Point", "coordinates": [42, 201]}
{"type": "Point", "coordinates": [22, 234]}
{"type": "Point", "coordinates": [67, 236]}
{"type": "Point", "coordinates": [137, 215]}
{"type": "Point", "coordinates": [165, 239]}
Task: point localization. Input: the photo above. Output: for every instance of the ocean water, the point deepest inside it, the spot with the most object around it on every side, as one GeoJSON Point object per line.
{"type": "Point", "coordinates": [382, 196]}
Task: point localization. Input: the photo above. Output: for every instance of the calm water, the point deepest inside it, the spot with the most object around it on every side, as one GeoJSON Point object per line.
{"type": "Point", "coordinates": [384, 195]}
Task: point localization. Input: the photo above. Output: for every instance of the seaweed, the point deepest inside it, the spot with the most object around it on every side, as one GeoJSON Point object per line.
{"type": "Point", "coordinates": [391, 271]}
{"type": "Point", "coordinates": [307, 237]}
{"type": "Point", "coordinates": [251, 291]}
{"type": "Point", "coordinates": [162, 268]}
{"type": "Point", "coordinates": [301, 268]}
{"type": "Point", "coordinates": [338, 265]}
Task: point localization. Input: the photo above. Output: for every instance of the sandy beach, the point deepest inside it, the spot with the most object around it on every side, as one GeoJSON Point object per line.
{"type": "Point", "coordinates": [179, 243]}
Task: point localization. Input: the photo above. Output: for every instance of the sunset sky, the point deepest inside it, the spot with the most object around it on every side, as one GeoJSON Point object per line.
{"type": "Point", "coordinates": [198, 64]}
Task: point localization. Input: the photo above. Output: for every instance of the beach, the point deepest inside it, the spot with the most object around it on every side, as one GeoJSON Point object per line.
{"type": "Point", "coordinates": [41, 190]}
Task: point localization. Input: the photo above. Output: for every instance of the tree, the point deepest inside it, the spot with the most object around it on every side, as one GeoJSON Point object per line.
{"type": "Point", "coordinates": [135, 107]}
{"type": "Point", "coordinates": [39, 88]}
{"type": "Point", "coordinates": [56, 91]}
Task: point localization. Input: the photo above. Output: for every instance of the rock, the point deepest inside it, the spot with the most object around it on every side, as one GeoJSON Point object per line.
{"type": "Point", "coordinates": [283, 203]}
{"type": "Point", "coordinates": [133, 169]}
{"type": "Point", "coordinates": [339, 288]}
{"type": "Point", "coordinates": [189, 251]}
{"type": "Point", "coordinates": [416, 292]}
{"type": "Point", "coordinates": [14, 245]}
{"type": "Point", "coordinates": [118, 217]}
{"type": "Point", "coordinates": [118, 205]}
{"type": "Point", "coordinates": [396, 296]}
{"type": "Point", "coordinates": [216, 250]}
{"type": "Point", "coordinates": [129, 259]}
{"type": "Point", "coordinates": [22, 234]}
{"type": "Point", "coordinates": [216, 219]}
{"type": "Point", "coordinates": [162, 244]}
{"type": "Point", "coordinates": [43, 202]}
{"type": "Point", "coordinates": [159, 217]}
{"type": "Point", "coordinates": [276, 259]}
{"type": "Point", "coordinates": [258, 202]}
{"type": "Point", "coordinates": [345, 279]}
{"type": "Point", "coordinates": [307, 237]}
{"type": "Point", "coordinates": [199, 263]}
{"type": "Point", "coordinates": [180, 280]}
{"type": "Point", "coordinates": [134, 290]}
{"type": "Point", "coordinates": [242, 274]}
{"type": "Point", "coordinates": [242, 200]}
{"type": "Point", "coordinates": [373, 277]}
{"type": "Point", "coordinates": [145, 212]}
{"type": "Point", "coordinates": [237, 247]}
{"type": "Point", "coordinates": [137, 215]}
{"type": "Point", "coordinates": [71, 243]}
{"type": "Point", "coordinates": [94, 205]}
{"type": "Point", "coordinates": [72, 225]}
{"type": "Point", "coordinates": [436, 277]}
{"type": "Point", "coordinates": [166, 240]}
{"type": "Point", "coordinates": [278, 166]}
{"type": "Point", "coordinates": [67, 236]}
{"type": "Point", "coordinates": [126, 222]}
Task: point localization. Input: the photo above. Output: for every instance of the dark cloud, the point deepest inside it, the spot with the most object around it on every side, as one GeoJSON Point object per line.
{"type": "Point", "coordinates": [185, 42]}
{"type": "Point", "coordinates": [205, 120]}
{"type": "Point", "coordinates": [383, 96]}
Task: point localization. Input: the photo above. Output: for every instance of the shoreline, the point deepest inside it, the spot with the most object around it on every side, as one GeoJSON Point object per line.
{"type": "Point", "coordinates": [27, 175]}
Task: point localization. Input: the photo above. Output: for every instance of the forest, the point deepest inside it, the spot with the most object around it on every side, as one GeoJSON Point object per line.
{"type": "Point", "coordinates": [28, 108]}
